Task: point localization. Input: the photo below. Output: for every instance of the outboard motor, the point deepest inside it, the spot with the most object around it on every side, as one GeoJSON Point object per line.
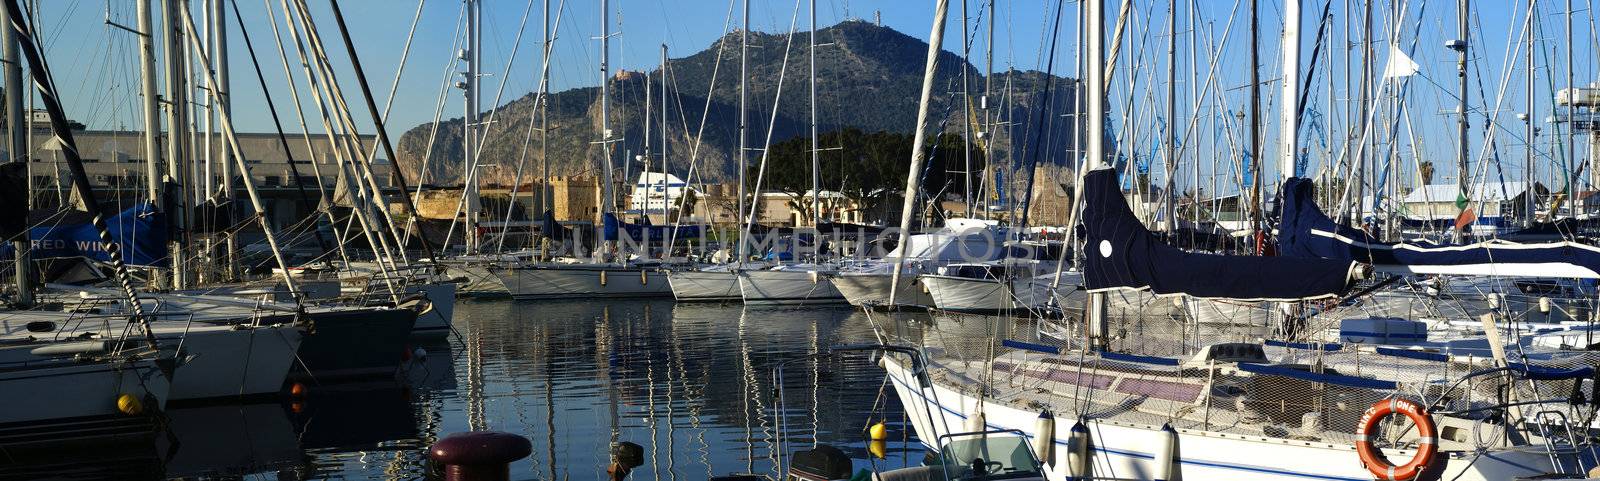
{"type": "Point", "coordinates": [823, 463]}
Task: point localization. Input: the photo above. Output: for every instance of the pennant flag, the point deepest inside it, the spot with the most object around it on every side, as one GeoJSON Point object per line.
{"type": "Point", "coordinates": [1400, 65]}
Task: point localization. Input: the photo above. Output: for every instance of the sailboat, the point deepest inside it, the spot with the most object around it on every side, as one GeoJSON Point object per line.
{"type": "Point", "coordinates": [1216, 414]}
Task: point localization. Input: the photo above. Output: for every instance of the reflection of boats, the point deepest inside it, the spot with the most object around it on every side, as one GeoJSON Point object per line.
{"type": "Point", "coordinates": [231, 440]}
{"type": "Point", "coordinates": [355, 416]}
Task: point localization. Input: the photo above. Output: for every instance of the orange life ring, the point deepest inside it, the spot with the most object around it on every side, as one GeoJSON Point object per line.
{"type": "Point", "coordinates": [1373, 457]}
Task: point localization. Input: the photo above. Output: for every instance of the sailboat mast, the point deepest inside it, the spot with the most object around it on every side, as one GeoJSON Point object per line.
{"type": "Point", "coordinates": [1094, 40]}
{"type": "Point", "coordinates": [666, 186]}
{"type": "Point", "coordinates": [1531, 134]}
{"type": "Point", "coordinates": [224, 106]}
{"type": "Point", "coordinates": [966, 110]}
{"type": "Point", "coordinates": [816, 162]}
{"type": "Point", "coordinates": [17, 143]}
{"type": "Point", "coordinates": [1290, 127]}
{"type": "Point", "coordinates": [918, 154]}
{"type": "Point", "coordinates": [744, 124]}
{"type": "Point", "coordinates": [607, 196]}
{"type": "Point", "coordinates": [1256, 200]}
{"type": "Point", "coordinates": [546, 194]}
{"type": "Point", "coordinates": [1170, 139]}
{"type": "Point", "coordinates": [177, 101]}
{"type": "Point", "coordinates": [469, 127]}
{"type": "Point", "coordinates": [1461, 46]}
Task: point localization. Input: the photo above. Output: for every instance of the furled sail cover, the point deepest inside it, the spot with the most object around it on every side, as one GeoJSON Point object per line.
{"type": "Point", "coordinates": [1307, 232]}
{"type": "Point", "coordinates": [141, 232]}
{"type": "Point", "coordinates": [1121, 254]}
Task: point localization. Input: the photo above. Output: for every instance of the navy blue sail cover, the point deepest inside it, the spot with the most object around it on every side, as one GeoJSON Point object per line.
{"type": "Point", "coordinates": [141, 232]}
{"type": "Point", "coordinates": [1306, 231]}
{"type": "Point", "coordinates": [1121, 254]}
{"type": "Point", "coordinates": [615, 229]}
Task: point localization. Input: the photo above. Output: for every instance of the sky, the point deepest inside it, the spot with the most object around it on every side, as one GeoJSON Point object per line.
{"type": "Point", "coordinates": [96, 64]}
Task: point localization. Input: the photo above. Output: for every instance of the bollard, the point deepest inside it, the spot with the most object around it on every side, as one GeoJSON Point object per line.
{"type": "Point", "coordinates": [479, 455]}
{"type": "Point", "coordinates": [624, 457]}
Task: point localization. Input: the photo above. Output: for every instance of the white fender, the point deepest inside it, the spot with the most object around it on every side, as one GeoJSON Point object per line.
{"type": "Point", "coordinates": [1166, 459]}
{"type": "Point", "coordinates": [1044, 438]}
{"type": "Point", "coordinates": [1079, 450]}
{"type": "Point", "coordinates": [976, 422]}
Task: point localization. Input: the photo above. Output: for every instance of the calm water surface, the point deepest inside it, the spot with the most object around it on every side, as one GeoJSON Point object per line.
{"type": "Point", "coordinates": [691, 383]}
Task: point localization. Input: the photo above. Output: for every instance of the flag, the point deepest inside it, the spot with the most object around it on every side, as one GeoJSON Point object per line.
{"type": "Point", "coordinates": [1465, 218]}
{"type": "Point", "coordinates": [1400, 65]}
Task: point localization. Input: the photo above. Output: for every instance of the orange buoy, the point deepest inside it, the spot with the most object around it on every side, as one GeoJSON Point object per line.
{"type": "Point", "coordinates": [1373, 457]}
{"type": "Point", "coordinates": [297, 390]}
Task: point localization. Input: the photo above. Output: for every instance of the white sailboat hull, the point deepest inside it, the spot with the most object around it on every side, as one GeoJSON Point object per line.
{"type": "Point", "coordinates": [234, 362]}
{"type": "Point", "coordinates": [435, 320]}
{"type": "Point", "coordinates": [795, 287]}
{"type": "Point", "coordinates": [986, 296]}
{"type": "Point", "coordinates": [563, 282]}
{"type": "Point", "coordinates": [39, 397]}
{"type": "Point", "coordinates": [1128, 451]}
{"type": "Point", "coordinates": [477, 281]}
{"type": "Point", "coordinates": [691, 286]}
{"type": "Point", "coordinates": [861, 289]}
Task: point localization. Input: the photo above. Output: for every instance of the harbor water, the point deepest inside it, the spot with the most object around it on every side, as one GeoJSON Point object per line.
{"type": "Point", "coordinates": [691, 383]}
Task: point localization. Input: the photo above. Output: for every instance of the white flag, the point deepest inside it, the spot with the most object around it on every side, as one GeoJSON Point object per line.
{"type": "Point", "coordinates": [1399, 64]}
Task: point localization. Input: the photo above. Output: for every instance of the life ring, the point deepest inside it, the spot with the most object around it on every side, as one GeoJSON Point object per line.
{"type": "Point", "coordinates": [1373, 457]}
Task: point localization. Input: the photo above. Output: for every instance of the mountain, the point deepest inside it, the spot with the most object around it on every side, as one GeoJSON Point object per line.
{"type": "Point", "coordinates": [868, 77]}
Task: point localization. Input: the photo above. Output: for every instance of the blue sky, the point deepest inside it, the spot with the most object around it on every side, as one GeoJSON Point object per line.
{"type": "Point", "coordinates": [97, 70]}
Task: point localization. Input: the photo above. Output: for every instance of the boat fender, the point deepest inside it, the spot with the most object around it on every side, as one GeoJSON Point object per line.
{"type": "Point", "coordinates": [1044, 438]}
{"type": "Point", "coordinates": [129, 404]}
{"type": "Point", "coordinates": [1373, 458]}
{"type": "Point", "coordinates": [1079, 447]}
{"type": "Point", "coordinates": [1544, 305]}
{"type": "Point", "coordinates": [1494, 300]}
{"type": "Point", "coordinates": [878, 432]}
{"type": "Point", "coordinates": [1166, 459]}
{"type": "Point", "coordinates": [642, 279]}
{"type": "Point", "coordinates": [70, 348]}
{"type": "Point", "coordinates": [814, 277]}
{"type": "Point", "coordinates": [602, 278]}
{"type": "Point", "coordinates": [976, 423]}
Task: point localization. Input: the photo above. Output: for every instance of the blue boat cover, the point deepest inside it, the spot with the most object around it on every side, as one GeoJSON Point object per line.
{"type": "Point", "coordinates": [1305, 346]}
{"type": "Point", "coordinates": [1305, 231]}
{"type": "Point", "coordinates": [1029, 346]}
{"type": "Point", "coordinates": [1121, 254]}
{"type": "Point", "coordinates": [1336, 379]}
{"type": "Point", "coordinates": [141, 231]}
{"type": "Point", "coordinates": [1527, 371]}
{"type": "Point", "coordinates": [614, 229]}
{"type": "Point", "coordinates": [1124, 357]}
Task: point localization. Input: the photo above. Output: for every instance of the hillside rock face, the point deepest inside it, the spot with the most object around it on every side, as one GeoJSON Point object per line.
{"type": "Point", "coordinates": [868, 77]}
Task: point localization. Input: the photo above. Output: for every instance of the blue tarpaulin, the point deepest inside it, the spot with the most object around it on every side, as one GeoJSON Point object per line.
{"type": "Point", "coordinates": [141, 231]}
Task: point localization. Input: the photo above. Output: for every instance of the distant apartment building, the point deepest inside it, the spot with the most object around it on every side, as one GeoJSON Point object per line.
{"type": "Point", "coordinates": [115, 163]}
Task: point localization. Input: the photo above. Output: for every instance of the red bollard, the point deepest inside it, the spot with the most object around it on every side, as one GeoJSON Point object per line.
{"type": "Point", "coordinates": [479, 455]}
